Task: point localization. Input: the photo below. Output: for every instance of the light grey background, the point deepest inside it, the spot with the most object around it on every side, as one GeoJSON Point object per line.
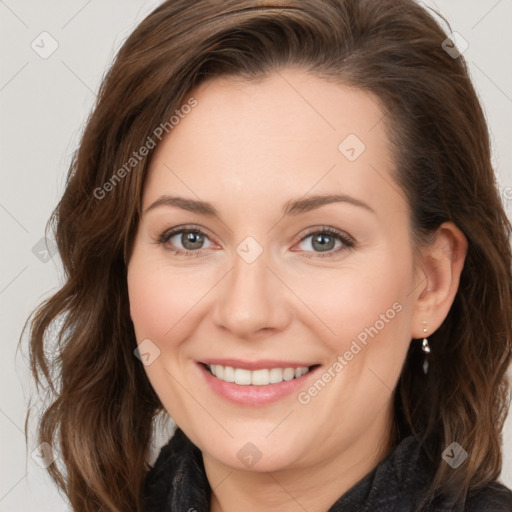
{"type": "Point", "coordinates": [44, 103]}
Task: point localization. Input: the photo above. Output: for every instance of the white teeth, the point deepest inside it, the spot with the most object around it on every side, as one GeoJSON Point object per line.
{"type": "Point", "coordinates": [276, 375]}
{"type": "Point", "coordinates": [257, 377]}
{"type": "Point", "coordinates": [260, 377]}
{"type": "Point", "coordinates": [242, 377]}
{"type": "Point", "coordinates": [288, 373]}
{"type": "Point", "coordinates": [229, 374]}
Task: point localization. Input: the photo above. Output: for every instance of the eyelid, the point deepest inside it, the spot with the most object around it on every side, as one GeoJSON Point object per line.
{"type": "Point", "coordinates": [347, 241]}
{"type": "Point", "coordinates": [166, 235]}
{"type": "Point", "coordinates": [327, 229]}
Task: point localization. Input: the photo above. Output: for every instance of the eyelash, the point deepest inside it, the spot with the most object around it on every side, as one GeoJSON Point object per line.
{"type": "Point", "coordinates": [348, 243]}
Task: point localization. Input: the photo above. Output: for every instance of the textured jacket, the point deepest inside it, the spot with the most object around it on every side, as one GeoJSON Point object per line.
{"type": "Point", "coordinates": [177, 483]}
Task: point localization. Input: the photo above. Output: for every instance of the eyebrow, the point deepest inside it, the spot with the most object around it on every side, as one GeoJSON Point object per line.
{"type": "Point", "coordinates": [293, 207]}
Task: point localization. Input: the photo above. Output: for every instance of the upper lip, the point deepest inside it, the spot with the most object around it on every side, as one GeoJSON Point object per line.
{"type": "Point", "coordinates": [256, 365]}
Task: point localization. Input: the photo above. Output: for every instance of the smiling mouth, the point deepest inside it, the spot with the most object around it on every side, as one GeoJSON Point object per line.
{"type": "Point", "coordinates": [260, 377]}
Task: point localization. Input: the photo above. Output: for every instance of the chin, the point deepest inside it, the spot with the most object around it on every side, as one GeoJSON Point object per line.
{"type": "Point", "coordinates": [256, 456]}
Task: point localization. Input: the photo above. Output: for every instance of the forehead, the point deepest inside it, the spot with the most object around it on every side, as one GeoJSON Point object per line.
{"type": "Point", "coordinates": [280, 137]}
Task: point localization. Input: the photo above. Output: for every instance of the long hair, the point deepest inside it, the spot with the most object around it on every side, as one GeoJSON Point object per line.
{"type": "Point", "coordinates": [101, 405]}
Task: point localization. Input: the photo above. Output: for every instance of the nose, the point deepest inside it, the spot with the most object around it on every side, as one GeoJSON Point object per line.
{"type": "Point", "coordinates": [251, 300]}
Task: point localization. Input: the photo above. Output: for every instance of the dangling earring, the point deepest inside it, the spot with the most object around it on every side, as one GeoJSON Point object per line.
{"type": "Point", "coordinates": [426, 349]}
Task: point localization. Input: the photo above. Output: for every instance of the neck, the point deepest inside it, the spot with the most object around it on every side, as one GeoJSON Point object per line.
{"type": "Point", "coordinates": [314, 487]}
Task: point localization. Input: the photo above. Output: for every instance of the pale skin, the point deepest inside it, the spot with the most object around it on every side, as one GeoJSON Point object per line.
{"type": "Point", "coordinates": [248, 149]}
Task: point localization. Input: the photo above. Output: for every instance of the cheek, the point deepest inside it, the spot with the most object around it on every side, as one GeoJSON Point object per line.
{"type": "Point", "coordinates": [152, 306]}
{"type": "Point", "coordinates": [377, 317]}
{"type": "Point", "coordinates": [158, 309]}
{"type": "Point", "coordinates": [156, 305]}
{"type": "Point", "coordinates": [163, 301]}
{"type": "Point", "coordinates": [358, 297]}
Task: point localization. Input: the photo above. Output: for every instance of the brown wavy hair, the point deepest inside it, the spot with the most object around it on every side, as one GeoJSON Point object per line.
{"type": "Point", "coordinates": [102, 408]}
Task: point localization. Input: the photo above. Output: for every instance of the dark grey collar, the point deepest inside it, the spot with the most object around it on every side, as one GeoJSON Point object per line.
{"type": "Point", "coordinates": [178, 483]}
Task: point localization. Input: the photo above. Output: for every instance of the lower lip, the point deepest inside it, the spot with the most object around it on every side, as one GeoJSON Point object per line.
{"type": "Point", "coordinates": [252, 395]}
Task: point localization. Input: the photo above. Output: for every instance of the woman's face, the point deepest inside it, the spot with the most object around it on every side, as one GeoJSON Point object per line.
{"type": "Point", "coordinates": [291, 249]}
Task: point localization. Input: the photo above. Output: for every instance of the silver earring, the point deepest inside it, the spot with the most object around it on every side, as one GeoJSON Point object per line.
{"type": "Point", "coordinates": [426, 349]}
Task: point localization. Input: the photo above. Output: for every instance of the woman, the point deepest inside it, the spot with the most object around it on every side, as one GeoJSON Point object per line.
{"type": "Point", "coordinates": [282, 230]}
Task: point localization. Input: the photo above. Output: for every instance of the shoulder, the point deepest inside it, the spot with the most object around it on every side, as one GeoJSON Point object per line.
{"type": "Point", "coordinates": [494, 497]}
{"type": "Point", "coordinates": [415, 474]}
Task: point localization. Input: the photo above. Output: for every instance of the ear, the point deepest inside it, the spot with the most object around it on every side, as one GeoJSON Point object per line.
{"type": "Point", "coordinates": [438, 274]}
